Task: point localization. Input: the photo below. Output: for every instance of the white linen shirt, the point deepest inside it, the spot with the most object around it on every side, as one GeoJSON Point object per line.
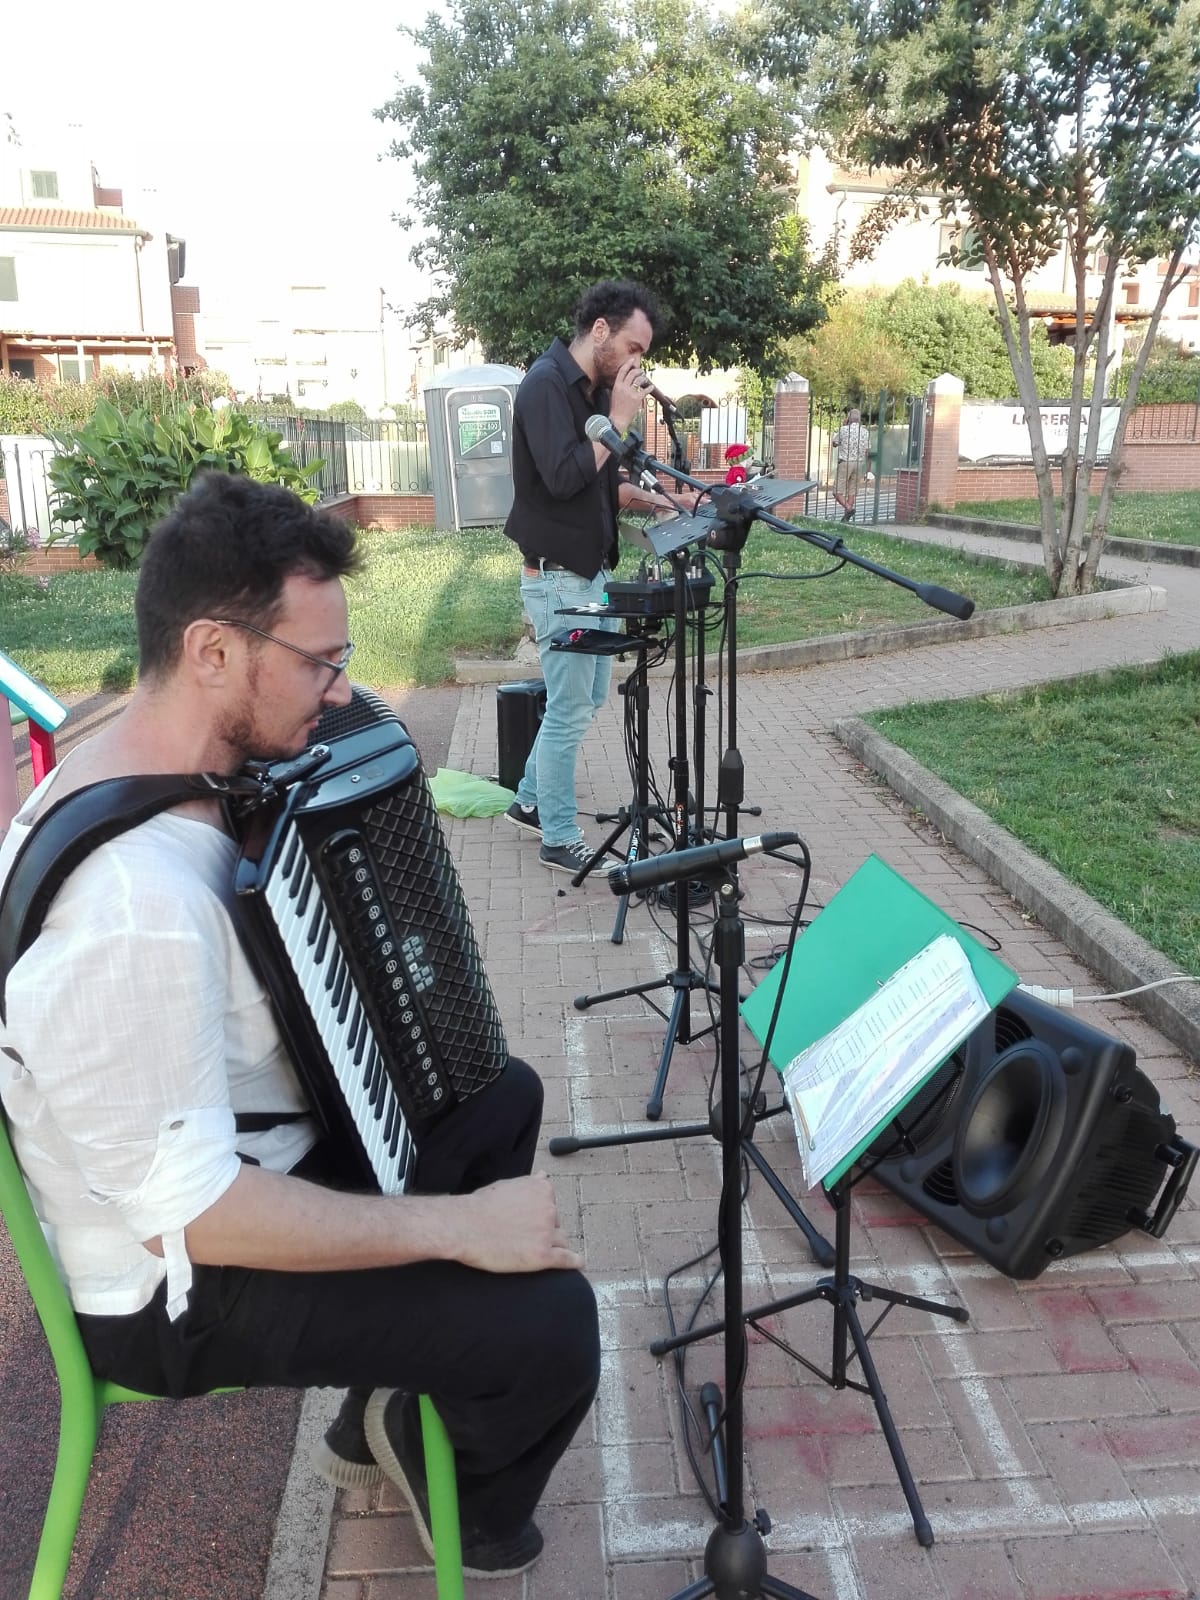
{"type": "Point", "coordinates": [136, 1028]}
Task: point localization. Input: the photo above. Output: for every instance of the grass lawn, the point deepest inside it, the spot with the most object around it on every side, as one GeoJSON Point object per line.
{"type": "Point", "coordinates": [1100, 776]}
{"type": "Point", "coordinates": [1170, 518]}
{"type": "Point", "coordinates": [426, 597]}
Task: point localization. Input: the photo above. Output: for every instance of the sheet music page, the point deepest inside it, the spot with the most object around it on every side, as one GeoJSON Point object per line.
{"type": "Point", "coordinates": [845, 1084]}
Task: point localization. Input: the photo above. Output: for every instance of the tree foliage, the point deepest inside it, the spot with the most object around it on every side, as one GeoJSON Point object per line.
{"type": "Point", "coordinates": [555, 143]}
{"type": "Point", "coordinates": [1048, 125]}
{"type": "Point", "coordinates": [899, 339]}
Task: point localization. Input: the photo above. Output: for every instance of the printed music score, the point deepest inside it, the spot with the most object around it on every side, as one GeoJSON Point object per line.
{"type": "Point", "coordinates": [842, 1087]}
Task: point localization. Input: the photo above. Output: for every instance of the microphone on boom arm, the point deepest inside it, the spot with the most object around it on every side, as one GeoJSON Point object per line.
{"type": "Point", "coordinates": [628, 450]}
{"type": "Point", "coordinates": [672, 865]}
{"type": "Point", "coordinates": [668, 405]}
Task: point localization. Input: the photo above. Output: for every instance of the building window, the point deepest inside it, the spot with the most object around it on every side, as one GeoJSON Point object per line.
{"type": "Point", "coordinates": [45, 185]}
{"type": "Point", "coordinates": [1193, 295]}
{"type": "Point", "coordinates": [1132, 292]}
{"type": "Point", "coordinates": [8, 277]}
{"type": "Point", "coordinates": [74, 369]}
{"type": "Point", "coordinates": [953, 236]}
{"type": "Point", "coordinates": [21, 367]}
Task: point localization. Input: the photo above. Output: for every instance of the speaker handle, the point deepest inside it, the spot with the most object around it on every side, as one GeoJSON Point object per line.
{"type": "Point", "coordinates": [1180, 1154]}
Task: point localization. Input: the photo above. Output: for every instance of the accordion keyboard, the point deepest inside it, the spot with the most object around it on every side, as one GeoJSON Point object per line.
{"type": "Point", "coordinates": [323, 976]}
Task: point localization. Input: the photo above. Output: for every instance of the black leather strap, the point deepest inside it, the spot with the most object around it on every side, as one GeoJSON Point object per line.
{"type": "Point", "coordinates": [71, 829]}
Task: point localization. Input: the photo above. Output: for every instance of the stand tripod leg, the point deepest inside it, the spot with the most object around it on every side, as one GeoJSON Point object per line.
{"type": "Point", "coordinates": [848, 1313]}
{"type": "Point", "coordinates": [822, 1250]}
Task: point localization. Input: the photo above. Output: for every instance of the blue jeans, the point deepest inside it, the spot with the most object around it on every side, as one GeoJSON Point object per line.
{"type": "Point", "coordinates": [576, 688]}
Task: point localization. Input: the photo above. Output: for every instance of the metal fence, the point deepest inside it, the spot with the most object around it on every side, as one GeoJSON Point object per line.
{"type": "Point", "coordinates": [359, 457]}
{"type": "Point", "coordinates": [895, 426]}
{"type": "Point", "coordinates": [706, 434]}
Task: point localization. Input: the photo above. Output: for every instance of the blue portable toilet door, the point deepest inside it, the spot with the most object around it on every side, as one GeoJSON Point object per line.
{"type": "Point", "coordinates": [479, 433]}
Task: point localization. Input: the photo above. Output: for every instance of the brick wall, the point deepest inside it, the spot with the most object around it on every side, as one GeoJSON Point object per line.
{"type": "Point", "coordinates": [1164, 422]}
{"type": "Point", "coordinates": [792, 401]}
{"type": "Point", "coordinates": [57, 558]}
{"type": "Point", "coordinates": [385, 510]}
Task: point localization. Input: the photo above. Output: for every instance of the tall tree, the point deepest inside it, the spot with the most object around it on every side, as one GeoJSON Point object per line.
{"type": "Point", "coordinates": [555, 143]}
{"type": "Point", "coordinates": [1048, 125]}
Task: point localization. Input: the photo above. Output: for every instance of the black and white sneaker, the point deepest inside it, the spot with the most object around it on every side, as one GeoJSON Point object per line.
{"type": "Point", "coordinates": [343, 1457]}
{"type": "Point", "coordinates": [524, 817]}
{"type": "Point", "coordinates": [393, 1426]}
{"type": "Point", "coordinates": [567, 857]}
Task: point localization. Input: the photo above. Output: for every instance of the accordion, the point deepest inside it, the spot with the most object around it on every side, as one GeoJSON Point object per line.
{"type": "Point", "coordinates": [351, 909]}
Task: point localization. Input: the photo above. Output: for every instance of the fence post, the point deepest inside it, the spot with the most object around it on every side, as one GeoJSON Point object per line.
{"type": "Point", "coordinates": [939, 465]}
{"type": "Point", "coordinates": [791, 427]}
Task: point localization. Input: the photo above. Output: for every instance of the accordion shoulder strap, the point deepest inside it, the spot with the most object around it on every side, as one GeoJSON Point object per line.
{"type": "Point", "coordinates": [66, 833]}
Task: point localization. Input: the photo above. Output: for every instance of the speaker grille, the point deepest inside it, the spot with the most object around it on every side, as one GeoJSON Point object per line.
{"type": "Point", "coordinates": [939, 1185]}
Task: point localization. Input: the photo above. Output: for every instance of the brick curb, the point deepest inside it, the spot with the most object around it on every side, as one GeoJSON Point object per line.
{"type": "Point", "coordinates": [1120, 956]}
{"type": "Point", "coordinates": [1180, 555]}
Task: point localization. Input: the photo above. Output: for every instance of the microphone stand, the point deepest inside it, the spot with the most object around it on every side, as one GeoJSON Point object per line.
{"type": "Point", "coordinates": [684, 977]}
{"type": "Point", "coordinates": [735, 1558]}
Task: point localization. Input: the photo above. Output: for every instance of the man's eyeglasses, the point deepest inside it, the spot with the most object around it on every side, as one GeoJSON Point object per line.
{"type": "Point", "coordinates": [332, 667]}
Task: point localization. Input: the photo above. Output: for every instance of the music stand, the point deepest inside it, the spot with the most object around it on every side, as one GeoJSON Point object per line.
{"type": "Point", "coordinates": [843, 1291]}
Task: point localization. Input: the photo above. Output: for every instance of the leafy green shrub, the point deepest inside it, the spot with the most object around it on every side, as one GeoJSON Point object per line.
{"type": "Point", "coordinates": [1170, 378]}
{"type": "Point", "coordinates": [29, 408]}
{"type": "Point", "coordinates": [117, 475]}
{"type": "Point", "coordinates": [40, 406]}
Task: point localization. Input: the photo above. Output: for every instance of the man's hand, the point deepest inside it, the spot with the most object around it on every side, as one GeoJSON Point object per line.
{"type": "Point", "coordinates": [629, 391]}
{"type": "Point", "coordinates": [513, 1226]}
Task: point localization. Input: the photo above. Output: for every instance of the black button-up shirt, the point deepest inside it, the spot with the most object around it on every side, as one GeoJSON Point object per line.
{"type": "Point", "coordinates": [564, 508]}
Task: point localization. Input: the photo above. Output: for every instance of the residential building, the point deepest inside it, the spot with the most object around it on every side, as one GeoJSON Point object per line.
{"type": "Point", "coordinates": [84, 288]}
{"type": "Point", "coordinates": [320, 343]}
{"type": "Point", "coordinates": [837, 201]}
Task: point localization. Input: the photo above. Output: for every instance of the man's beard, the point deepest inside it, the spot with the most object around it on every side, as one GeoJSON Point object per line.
{"type": "Point", "coordinates": [607, 365]}
{"type": "Point", "coordinates": [244, 736]}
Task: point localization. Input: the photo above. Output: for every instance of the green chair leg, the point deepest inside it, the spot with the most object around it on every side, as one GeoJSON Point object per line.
{"type": "Point", "coordinates": [443, 1504]}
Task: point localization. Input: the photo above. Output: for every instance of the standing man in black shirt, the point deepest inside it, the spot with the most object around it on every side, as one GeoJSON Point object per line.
{"type": "Point", "coordinates": [567, 494]}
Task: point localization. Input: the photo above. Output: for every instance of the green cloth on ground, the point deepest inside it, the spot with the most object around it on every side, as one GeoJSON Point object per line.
{"type": "Point", "coordinates": [463, 794]}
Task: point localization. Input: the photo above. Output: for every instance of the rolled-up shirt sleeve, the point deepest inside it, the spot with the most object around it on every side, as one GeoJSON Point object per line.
{"type": "Point", "coordinates": [124, 1037]}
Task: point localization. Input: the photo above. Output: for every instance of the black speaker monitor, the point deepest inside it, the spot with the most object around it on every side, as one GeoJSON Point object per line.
{"type": "Point", "coordinates": [1041, 1138]}
{"type": "Point", "coordinates": [520, 708]}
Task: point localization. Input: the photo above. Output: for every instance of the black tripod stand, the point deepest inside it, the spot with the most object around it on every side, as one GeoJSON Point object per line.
{"type": "Point", "coordinates": [735, 1558]}
{"type": "Point", "coordinates": [638, 817]}
{"type": "Point", "coordinates": [843, 1292]}
{"type": "Point", "coordinates": [684, 978]}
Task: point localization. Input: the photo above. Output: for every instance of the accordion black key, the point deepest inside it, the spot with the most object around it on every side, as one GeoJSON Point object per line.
{"type": "Point", "coordinates": [352, 911]}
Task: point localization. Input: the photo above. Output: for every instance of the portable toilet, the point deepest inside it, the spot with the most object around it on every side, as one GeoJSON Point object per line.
{"type": "Point", "coordinates": [468, 419]}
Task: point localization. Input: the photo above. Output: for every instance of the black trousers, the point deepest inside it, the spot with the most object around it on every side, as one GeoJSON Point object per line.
{"type": "Point", "coordinates": [510, 1359]}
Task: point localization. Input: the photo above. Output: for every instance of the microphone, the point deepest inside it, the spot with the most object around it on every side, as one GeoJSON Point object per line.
{"type": "Point", "coordinates": [668, 405]}
{"type": "Point", "coordinates": [628, 452]}
{"type": "Point", "coordinates": [675, 864]}
{"type": "Point", "coordinates": [600, 430]}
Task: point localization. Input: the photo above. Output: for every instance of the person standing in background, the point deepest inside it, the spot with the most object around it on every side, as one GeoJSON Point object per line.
{"type": "Point", "coordinates": [853, 444]}
{"type": "Point", "coordinates": [567, 495]}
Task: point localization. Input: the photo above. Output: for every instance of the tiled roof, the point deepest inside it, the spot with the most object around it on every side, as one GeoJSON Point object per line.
{"type": "Point", "coordinates": [62, 217]}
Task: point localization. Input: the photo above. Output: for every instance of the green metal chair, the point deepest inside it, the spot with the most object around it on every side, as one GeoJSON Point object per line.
{"type": "Point", "coordinates": [84, 1397]}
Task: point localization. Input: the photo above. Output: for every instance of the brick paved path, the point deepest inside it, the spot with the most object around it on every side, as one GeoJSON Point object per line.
{"type": "Point", "coordinates": [1054, 1438]}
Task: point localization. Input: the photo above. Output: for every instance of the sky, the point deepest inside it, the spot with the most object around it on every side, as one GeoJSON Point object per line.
{"type": "Point", "coordinates": [244, 128]}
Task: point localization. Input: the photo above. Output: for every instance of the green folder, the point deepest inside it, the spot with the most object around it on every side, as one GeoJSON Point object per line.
{"type": "Point", "coordinates": [874, 924]}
